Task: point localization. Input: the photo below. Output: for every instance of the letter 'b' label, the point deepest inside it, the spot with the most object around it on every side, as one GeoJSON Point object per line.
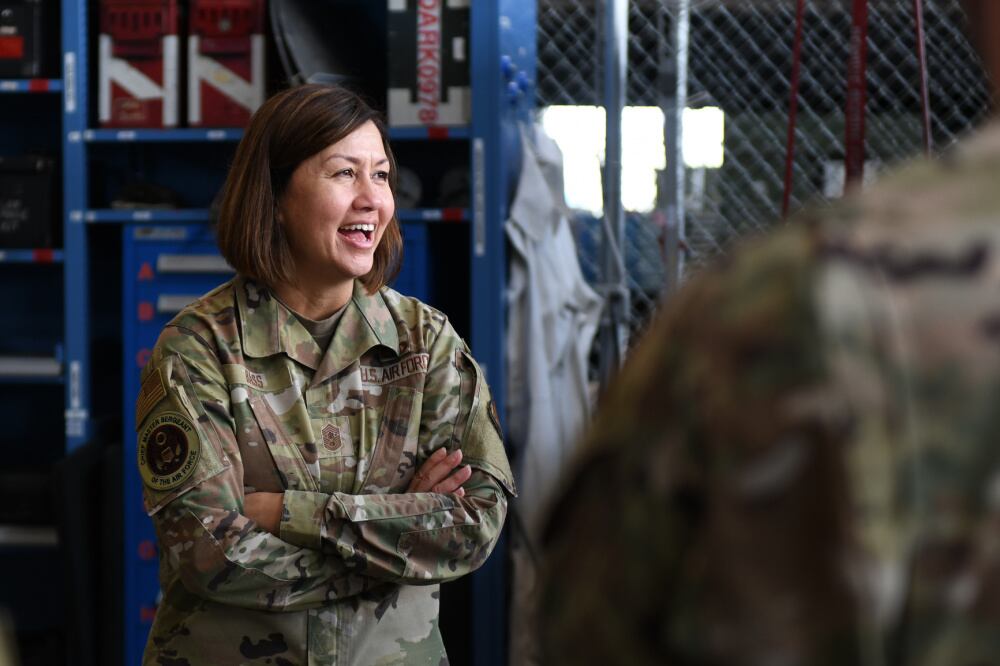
{"type": "Point", "coordinates": [168, 450]}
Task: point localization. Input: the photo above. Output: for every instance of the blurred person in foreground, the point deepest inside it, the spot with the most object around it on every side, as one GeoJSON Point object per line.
{"type": "Point", "coordinates": [800, 464]}
{"type": "Point", "coordinates": [318, 451]}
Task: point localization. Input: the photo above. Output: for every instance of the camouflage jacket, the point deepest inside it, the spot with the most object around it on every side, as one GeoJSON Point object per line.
{"type": "Point", "coordinates": [238, 397]}
{"type": "Point", "coordinates": [800, 463]}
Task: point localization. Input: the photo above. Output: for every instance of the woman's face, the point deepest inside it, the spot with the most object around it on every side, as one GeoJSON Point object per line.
{"type": "Point", "coordinates": [336, 207]}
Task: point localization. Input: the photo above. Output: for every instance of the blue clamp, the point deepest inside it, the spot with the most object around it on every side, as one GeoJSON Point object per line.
{"type": "Point", "coordinates": [514, 93]}
{"type": "Point", "coordinates": [522, 81]}
{"type": "Point", "coordinates": [507, 67]}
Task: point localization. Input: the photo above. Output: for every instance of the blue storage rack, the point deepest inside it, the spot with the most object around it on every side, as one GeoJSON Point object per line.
{"type": "Point", "coordinates": [30, 85]}
{"type": "Point", "coordinates": [503, 38]}
{"type": "Point", "coordinates": [31, 374]}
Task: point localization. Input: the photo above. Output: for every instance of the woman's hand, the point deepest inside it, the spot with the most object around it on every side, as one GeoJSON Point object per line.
{"type": "Point", "coordinates": [438, 474]}
{"type": "Point", "coordinates": [265, 510]}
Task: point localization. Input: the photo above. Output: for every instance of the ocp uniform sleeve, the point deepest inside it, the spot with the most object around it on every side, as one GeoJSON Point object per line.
{"type": "Point", "coordinates": [218, 553]}
{"type": "Point", "coordinates": [421, 537]}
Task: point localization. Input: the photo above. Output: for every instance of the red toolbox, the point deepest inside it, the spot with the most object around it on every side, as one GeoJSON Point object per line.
{"type": "Point", "coordinates": [20, 39]}
{"type": "Point", "coordinates": [138, 63]}
{"type": "Point", "coordinates": [225, 61]}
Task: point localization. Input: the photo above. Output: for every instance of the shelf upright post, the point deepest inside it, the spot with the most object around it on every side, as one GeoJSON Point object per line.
{"type": "Point", "coordinates": [487, 280]}
{"type": "Point", "coordinates": [500, 29]}
{"type": "Point", "coordinates": [76, 268]}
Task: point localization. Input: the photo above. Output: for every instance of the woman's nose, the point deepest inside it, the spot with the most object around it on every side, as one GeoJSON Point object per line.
{"type": "Point", "coordinates": [367, 195]}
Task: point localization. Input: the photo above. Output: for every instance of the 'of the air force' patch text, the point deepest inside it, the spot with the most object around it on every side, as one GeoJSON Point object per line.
{"type": "Point", "coordinates": [168, 450]}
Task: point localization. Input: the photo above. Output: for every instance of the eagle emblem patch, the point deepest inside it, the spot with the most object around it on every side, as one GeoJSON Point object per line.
{"type": "Point", "coordinates": [168, 450]}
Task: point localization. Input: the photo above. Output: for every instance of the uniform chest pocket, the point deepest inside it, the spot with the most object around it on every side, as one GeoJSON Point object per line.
{"type": "Point", "coordinates": [391, 465]}
{"type": "Point", "coordinates": [272, 420]}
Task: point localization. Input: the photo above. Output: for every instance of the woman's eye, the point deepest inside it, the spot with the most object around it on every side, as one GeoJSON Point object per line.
{"type": "Point", "coordinates": [345, 172]}
{"type": "Point", "coordinates": [382, 175]}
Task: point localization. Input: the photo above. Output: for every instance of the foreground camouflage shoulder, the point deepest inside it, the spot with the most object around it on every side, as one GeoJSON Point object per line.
{"type": "Point", "coordinates": [798, 464]}
{"type": "Point", "coordinates": [649, 549]}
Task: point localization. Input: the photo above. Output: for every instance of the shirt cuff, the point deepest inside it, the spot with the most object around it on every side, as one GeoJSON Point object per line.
{"type": "Point", "coordinates": [302, 518]}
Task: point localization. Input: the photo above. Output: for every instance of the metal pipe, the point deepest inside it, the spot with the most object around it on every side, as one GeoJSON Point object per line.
{"type": "Point", "coordinates": [857, 91]}
{"type": "Point", "coordinates": [925, 106]}
{"type": "Point", "coordinates": [793, 106]}
{"type": "Point", "coordinates": [673, 104]}
{"type": "Point", "coordinates": [615, 56]}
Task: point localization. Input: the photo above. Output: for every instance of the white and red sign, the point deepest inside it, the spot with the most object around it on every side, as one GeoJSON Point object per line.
{"type": "Point", "coordinates": [420, 92]}
{"type": "Point", "coordinates": [225, 62]}
{"type": "Point", "coordinates": [138, 62]}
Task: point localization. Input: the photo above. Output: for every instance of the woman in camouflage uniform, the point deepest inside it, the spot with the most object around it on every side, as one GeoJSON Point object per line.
{"type": "Point", "coordinates": [318, 451]}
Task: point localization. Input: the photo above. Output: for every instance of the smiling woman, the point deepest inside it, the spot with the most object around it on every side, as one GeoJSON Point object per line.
{"type": "Point", "coordinates": [337, 452]}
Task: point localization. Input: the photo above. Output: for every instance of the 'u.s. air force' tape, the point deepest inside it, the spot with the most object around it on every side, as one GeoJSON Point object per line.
{"type": "Point", "coordinates": [408, 365]}
{"type": "Point", "coordinates": [168, 450]}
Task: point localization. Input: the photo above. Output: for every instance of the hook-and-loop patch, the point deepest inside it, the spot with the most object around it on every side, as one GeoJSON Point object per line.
{"type": "Point", "coordinates": [168, 450]}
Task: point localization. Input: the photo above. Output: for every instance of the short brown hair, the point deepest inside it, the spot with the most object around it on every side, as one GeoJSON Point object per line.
{"type": "Point", "coordinates": [287, 129]}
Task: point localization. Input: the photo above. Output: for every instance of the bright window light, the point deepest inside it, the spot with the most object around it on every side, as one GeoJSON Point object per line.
{"type": "Point", "coordinates": [704, 136]}
{"type": "Point", "coordinates": [579, 132]}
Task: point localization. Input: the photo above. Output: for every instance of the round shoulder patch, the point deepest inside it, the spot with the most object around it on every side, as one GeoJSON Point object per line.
{"type": "Point", "coordinates": [168, 450]}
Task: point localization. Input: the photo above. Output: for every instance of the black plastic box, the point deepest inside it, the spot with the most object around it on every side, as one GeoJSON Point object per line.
{"type": "Point", "coordinates": [21, 39]}
{"type": "Point", "coordinates": [28, 202]}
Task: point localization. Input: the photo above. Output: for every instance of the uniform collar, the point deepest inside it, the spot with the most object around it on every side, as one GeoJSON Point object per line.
{"type": "Point", "coordinates": [268, 328]}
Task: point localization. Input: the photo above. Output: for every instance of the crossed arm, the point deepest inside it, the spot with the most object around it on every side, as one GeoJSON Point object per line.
{"type": "Point", "coordinates": [440, 473]}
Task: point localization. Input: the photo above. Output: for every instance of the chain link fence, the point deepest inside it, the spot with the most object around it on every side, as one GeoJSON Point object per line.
{"type": "Point", "coordinates": [740, 60]}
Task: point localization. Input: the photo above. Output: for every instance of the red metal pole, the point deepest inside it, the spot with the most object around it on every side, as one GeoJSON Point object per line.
{"type": "Point", "coordinates": [925, 106]}
{"type": "Point", "coordinates": [854, 134]}
{"type": "Point", "coordinates": [793, 105]}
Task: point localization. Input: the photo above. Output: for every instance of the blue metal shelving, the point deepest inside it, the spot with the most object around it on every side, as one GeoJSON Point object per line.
{"type": "Point", "coordinates": [39, 256]}
{"type": "Point", "coordinates": [440, 133]}
{"type": "Point", "coordinates": [76, 295]}
{"type": "Point", "coordinates": [193, 135]}
{"type": "Point", "coordinates": [503, 34]}
{"type": "Point", "coordinates": [187, 215]}
{"type": "Point", "coordinates": [30, 85]}
{"type": "Point", "coordinates": [147, 215]}
{"type": "Point", "coordinates": [31, 375]}
{"type": "Point", "coordinates": [433, 214]}
{"type": "Point", "coordinates": [30, 379]}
